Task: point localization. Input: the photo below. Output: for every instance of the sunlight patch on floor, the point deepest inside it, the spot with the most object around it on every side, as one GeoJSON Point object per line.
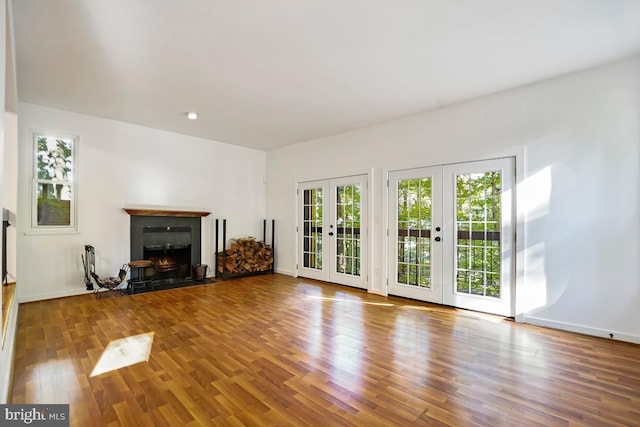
{"type": "Point", "coordinates": [384, 304]}
{"type": "Point", "coordinates": [124, 352]}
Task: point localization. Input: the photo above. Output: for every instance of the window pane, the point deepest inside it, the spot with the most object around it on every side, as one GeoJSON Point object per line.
{"type": "Point", "coordinates": [312, 228]}
{"type": "Point", "coordinates": [54, 158]}
{"type": "Point", "coordinates": [54, 204]}
{"type": "Point", "coordinates": [414, 231]}
{"type": "Point", "coordinates": [478, 230]}
{"type": "Point", "coordinates": [348, 229]}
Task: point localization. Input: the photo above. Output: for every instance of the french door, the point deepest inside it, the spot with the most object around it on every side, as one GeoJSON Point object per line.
{"type": "Point", "coordinates": [332, 230]}
{"type": "Point", "coordinates": [451, 235]}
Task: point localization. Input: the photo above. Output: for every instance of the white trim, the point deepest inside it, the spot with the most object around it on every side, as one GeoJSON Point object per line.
{"type": "Point", "coordinates": [384, 250]}
{"type": "Point", "coordinates": [458, 159]}
{"type": "Point", "coordinates": [371, 233]}
{"type": "Point", "coordinates": [7, 352]}
{"type": "Point", "coordinates": [53, 295]}
{"type": "Point", "coordinates": [286, 272]}
{"type": "Point", "coordinates": [381, 292]}
{"type": "Point", "coordinates": [296, 228]}
{"type": "Point", "coordinates": [580, 329]}
{"type": "Point", "coordinates": [519, 176]}
{"type": "Point", "coordinates": [46, 232]}
{"type": "Point", "coordinates": [73, 184]}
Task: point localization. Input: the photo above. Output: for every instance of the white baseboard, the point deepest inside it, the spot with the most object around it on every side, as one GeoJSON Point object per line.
{"type": "Point", "coordinates": [580, 329]}
{"type": "Point", "coordinates": [378, 292]}
{"type": "Point", "coordinates": [52, 295]}
{"type": "Point", "coordinates": [285, 272]}
{"type": "Point", "coordinates": [7, 353]}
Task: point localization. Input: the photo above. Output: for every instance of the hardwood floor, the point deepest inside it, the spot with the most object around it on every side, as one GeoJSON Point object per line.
{"type": "Point", "coordinates": [274, 350]}
{"type": "Point", "coordinates": [8, 292]}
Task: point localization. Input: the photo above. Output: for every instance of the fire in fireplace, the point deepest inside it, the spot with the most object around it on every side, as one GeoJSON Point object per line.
{"type": "Point", "coordinates": [169, 248]}
{"type": "Point", "coordinates": [163, 264]}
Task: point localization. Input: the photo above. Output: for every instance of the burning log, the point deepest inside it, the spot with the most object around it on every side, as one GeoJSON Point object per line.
{"type": "Point", "coordinates": [164, 264]}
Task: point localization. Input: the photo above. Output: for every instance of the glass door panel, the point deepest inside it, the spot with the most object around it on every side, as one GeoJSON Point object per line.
{"type": "Point", "coordinates": [414, 232]}
{"type": "Point", "coordinates": [312, 209]}
{"type": "Point", "coordinates": [479, 254]}
{"type": "Point", "coordinates": [478, 225]}
{"type": "Point", "coordinates": [414, 250]}
{"type": "Point", "coordinates": [348, 228]}
{"type": "Point", "coordinates": [312, 228]}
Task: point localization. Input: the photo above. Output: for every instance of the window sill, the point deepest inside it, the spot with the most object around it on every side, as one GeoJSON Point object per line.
{"type": "Point", "coordinates": [51, 232]}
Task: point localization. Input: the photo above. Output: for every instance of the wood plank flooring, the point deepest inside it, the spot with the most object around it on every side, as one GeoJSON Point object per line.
{"type": "Point", "coordinates": [8, 292]}
{"type": "Point", "coordinates": [274, 350]}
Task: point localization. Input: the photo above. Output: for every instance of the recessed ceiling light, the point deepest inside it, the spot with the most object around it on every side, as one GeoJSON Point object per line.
{"type": "Point", "coordinates": [192, 115]}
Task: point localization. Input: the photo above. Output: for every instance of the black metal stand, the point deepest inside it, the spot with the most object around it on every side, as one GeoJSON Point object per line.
{"type": "Point", "coordinates": [223, 254]}
{"type": "Point", "coordinates": [8, 219]}
{"type": "Point", "coordinates": [5, 224]}
{"type": "Point", "coordinates": [139, 280]}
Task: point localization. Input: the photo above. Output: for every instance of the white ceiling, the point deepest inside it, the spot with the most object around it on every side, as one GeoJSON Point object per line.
{"type": "Point", "coordinates": [265, 74]}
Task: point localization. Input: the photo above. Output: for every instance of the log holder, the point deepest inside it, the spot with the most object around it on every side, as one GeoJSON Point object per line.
{"type": "Point", "coordinates": [223, 254]}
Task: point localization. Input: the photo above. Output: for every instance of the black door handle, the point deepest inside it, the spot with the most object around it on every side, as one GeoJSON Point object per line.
{"type": "Point", "coordinates": [437, 239]}
{"type": "Point", "coordinates": [331, 233]}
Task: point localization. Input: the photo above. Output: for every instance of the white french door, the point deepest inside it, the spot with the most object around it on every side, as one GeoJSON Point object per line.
{"type": "Point", "coordinates": [451, 235]}
{"type": "Point", "coordinates": [415, 230]}
{"type": "Point", "coordinates": [332, 230]}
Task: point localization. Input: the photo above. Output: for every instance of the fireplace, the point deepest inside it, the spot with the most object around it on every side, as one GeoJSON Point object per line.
{"type": "Point", "coordinates": [171, 240]}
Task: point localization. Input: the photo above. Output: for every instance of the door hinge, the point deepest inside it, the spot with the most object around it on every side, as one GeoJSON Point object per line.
{"type": "Point", "coordinates": [387, 183]}
{"type": "Point", "coordinates": [297, 191]}
{"type": "Point", "coordinates": [296, 266]}
{"type": "Point", "coordinates": [296, 228]}
{"type": "Point", "coordinates": [387, 232]}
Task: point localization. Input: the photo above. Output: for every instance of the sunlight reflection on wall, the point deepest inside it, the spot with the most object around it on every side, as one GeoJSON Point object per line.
{"type": "Point", "coordinates": [534, 196]}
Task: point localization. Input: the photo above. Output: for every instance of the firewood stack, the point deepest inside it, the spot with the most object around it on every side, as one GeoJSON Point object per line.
{"type": "Point", "coordinates": [246, 256]}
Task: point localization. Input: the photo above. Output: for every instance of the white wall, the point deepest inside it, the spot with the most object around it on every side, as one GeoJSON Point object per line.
{"type": "Point", "coordinates": [577, 138]}
{"type": "Point", "coordinates": [7, 342]}
{"type": "Point", "coordinates": [10, 188]}
{"type": "Point", "coordinates": [123, 165]}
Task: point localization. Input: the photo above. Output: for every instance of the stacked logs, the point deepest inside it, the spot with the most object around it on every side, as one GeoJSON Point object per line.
{"type": "Point", "coordinates": [246, 256]}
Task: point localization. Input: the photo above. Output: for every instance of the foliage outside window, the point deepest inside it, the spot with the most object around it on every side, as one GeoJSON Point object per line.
{"type": "Point", "coordinates": [54, 182]}
{"type": "Point", "coordinates": [414, 232]}
{"type": "Point", "coordinates": [348, 229]}
{"type": "Point", "coordinates": [479, 227]}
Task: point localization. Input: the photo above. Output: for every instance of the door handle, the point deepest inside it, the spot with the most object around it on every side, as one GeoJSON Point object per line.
{"type": "Point", "coordinates": [438, 239]}
{"type": "Point", "coordinates": [331, 233]}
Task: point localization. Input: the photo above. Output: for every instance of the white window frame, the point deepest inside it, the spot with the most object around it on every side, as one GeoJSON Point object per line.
{"type": "Point", "coordinates": [73, 223]}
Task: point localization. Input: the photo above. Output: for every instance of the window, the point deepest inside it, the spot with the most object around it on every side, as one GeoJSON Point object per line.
{"type": "Point", "coordinates": [54, 182]}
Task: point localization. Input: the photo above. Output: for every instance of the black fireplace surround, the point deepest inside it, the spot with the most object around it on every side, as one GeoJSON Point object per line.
{"type": "Point", "coordinates": [170, 241]}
